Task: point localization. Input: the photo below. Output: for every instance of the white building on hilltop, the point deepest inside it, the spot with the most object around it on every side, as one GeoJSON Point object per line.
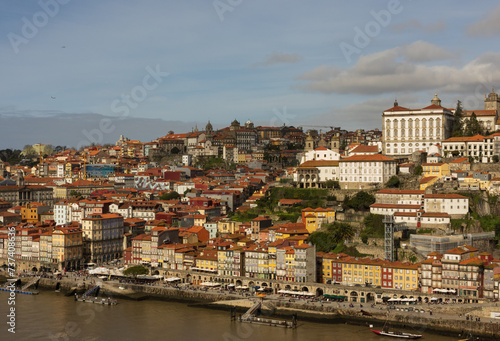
{"type": "Point", "coordinates": [409, 130]}
{"type": "Point", "coordinates": [320, 153]}
{"type": "Point", "coordinates": [366, 171]}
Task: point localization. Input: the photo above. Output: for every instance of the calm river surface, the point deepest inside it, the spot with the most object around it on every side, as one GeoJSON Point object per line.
{"type": "Point", "coordinates": [52, 316]}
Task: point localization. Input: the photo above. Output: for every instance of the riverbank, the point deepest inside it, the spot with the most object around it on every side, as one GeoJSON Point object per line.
{"type": "Point", "coordinates": [445, 320]}
{"type": "Point", "coordinates": [332, 314]}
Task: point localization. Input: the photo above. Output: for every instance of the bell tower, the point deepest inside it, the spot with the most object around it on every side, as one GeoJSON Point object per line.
{"type": "Point", "coordinates": [335, 144]}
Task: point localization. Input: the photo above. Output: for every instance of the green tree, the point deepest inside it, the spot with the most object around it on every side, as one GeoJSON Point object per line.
{"type": "Point", "coordinates": [324, 241]}
{"type": "Point", "coordinates": [412, 258]}
{"type": "Point", "coordinates": [361, 201]}
{"type": "Point", "coordinates": [418, 170]}
{"type": "Point", "coordinates": [341, 231]}
{"type": "Point", "coordinates": [472, 126]}
{"type": "Point", "coordinates": [332, 184]}
{"type": "Point", "coordinates": [135, 271]}
{"type": "Point", "coordinates": [495, 158]}
{"type": "Point", "coordinates": [393, 182]}
{"type": "Point", "coordinates": [175, 151]}
{"type": "Point", "coordinates": [457, 125]}
{"type": "Point", "coordinates": [170, 196]}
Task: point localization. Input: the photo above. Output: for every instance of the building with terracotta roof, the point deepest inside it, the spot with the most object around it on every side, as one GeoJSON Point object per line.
{"type": "Point", "coordinates": [456, 205]}
{"type": "Point", "coordinates": [462, 163]}
{"type": "Point", "coordinates": [103, 237]}
{"type": "Point", "coordinates": [366, 171]}
{"type": "Point", "coordinates": [427, 181]}
{"type": "Point", "coordinates": [405, 131]}
{"type": "Point", "coordinates": [436, 169]}
{"type": "Point", "coordinates": [320, 153]}
{"type": "Point", "coordinates": [31, 212]}
{"type": "Point", "coordinates": [315, 218]}
{"type": "Point", "coordinates": [481, 148]}
{"type": "Point", "coordinates": [400, 196]}
{"type": "Point", "coordinates": [362, 150]}
{"type": "Point", "coordinates": [451, 270]}
{"type": "Point", "coordinates": [67, 247]}
{"type": "Point", "coordinates": [314, 173]}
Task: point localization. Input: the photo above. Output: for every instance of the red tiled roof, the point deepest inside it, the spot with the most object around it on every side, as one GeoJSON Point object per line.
{"type": "Point", "coordinates": [359, 158]}
{"type": "Point", "coordinates": [480, 113]}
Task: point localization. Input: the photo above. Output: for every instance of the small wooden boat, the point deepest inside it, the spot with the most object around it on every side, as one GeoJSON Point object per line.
{"type": "Point", "coordinates": [400, 335]}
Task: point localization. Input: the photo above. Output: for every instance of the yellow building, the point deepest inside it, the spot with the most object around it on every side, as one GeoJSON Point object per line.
{"type": "Point", "coordinates": [289, 230]}
{"type": "Point", "coordinates": [271, 251]}
{"type": "Point", "coordinates": [242, 157]}
{"type": "Point", "coordinates": [31, 212]}
{"type": "Point", "coordinates": [436, 169]}
{"type": "Point", "coordinates": [404, 276]}
{"type": "Point", "coordinates": [258, 156]}
{"type": "Point", "coordinates": [228, 227]}
{"type": "Point", "coordinates": [427, 181]}
{"type": "Point", "coordinates": [207, 261]}
{"type": "Point", "coordinates": [67, 247]}
{"type": "Point", "coordinates": [290, 265]}
{"type": "Point", "coordinates": [315, 218]}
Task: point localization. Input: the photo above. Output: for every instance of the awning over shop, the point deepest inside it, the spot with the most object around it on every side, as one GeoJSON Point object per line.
{"type": "Point", "coordinates": [172, 279]}
{"type": "Point", "coordinates": [335, 296]}
{"type": "Point", "coordinates": [298, 293]}
{"type": "Point", "coordinates": [210, 284]}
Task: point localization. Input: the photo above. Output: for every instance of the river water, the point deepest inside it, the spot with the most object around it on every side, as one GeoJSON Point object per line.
{"type": "Point", "coordinates": [52, 316]}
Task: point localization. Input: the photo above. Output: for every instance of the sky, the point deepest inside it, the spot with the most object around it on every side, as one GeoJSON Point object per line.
{"type": "Point", "coordinates": [173, 65]}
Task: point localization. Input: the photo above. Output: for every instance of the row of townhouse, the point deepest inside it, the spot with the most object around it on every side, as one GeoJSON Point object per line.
{"type": "Point", "coordinates": [279, 260]}
{"type": "Point", "coordinates": [56, 248]}
{"type": "Point", "coordinates": [461, 271]}
{"type": "Point", "coordinates": [346, 270]}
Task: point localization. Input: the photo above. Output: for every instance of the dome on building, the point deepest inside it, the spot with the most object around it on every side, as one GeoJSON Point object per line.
{"type": "Point", "coordinates": [436, 100]}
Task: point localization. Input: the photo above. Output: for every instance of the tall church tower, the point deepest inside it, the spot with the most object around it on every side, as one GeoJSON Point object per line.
{"type": "Point", "coordinates": [209, 131]}
{"type": "Point", "coordinates": [335, 144]}
{"type": "Point", "coordinates": [309, 143]}
{"type": "Point", "coordinates": [492, 102]}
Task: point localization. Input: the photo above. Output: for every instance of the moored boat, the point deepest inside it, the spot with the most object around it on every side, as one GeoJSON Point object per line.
{"type": "Point", "coordinates": [400, 335]}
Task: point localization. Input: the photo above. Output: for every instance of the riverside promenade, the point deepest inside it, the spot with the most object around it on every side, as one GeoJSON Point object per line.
{"type": "Point", "coordinates": [448, 319]}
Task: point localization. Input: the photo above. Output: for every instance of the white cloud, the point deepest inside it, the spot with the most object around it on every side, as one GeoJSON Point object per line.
{"type": "Point", "coordinates": [487, 26]}
{"type": "Point", "coordinates": [402, 69]}
{"type": "Point", "coordinates": [279, 58]}
{"type": "Point", "coordinates": [421, 51]}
